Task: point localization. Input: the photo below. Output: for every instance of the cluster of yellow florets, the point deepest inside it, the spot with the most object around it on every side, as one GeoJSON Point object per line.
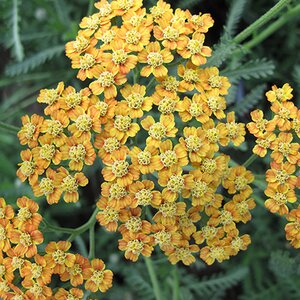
{"type": "Point", "coordinates": [280, 136]}
{"type": "Point", "coordinates": [161, 147]}
{"type": "Point", "coordinates": [26, 273]}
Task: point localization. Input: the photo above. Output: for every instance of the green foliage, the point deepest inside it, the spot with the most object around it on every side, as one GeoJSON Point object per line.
{"type": "Point", "coordinates": [258, 68]}
{"type": "Point", "coordinates": [234, 16]}
{"type": "Point", "coordinates": [34, 61]}
{"type": "Point", "coordinates": [250, 100]}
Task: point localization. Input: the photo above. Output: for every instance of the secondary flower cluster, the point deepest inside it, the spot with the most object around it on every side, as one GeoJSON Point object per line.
{"type": "Point", "coordinates": [280, 136]}
{"type": "Point", "coordinates": [174, 168]}
{"type": "Point", "coordinates": [26, 273]}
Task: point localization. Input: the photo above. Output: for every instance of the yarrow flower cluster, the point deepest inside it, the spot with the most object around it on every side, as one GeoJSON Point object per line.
{"type": "Point", "coordinates": [26, 273]}
{"type": "Point", "coordinates": [156, 119]}
{"type": "Point", "coordinates": [280, 136]}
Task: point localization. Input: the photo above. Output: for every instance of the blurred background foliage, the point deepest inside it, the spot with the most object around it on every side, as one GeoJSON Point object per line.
{"type": "Point", "coordinates": [33, 35]}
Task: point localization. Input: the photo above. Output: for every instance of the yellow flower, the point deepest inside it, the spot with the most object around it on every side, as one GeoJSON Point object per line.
{"type": "Point", "coordinates": [236, 131]}
{"type": "Point", "coordinates": [280, 94]}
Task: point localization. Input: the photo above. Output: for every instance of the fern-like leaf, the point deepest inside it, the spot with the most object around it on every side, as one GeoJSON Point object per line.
{"type": "Point", "coordinates": [34, 61]}
{"type": "Point", "coordinates": [218, 282]}
{"type": "Point", "coordinates": [250, 100]}
{"type": "Point", "coordinates": [259, 68]}
{"type": "Point", "coordinates": [235, 13]}
{"type": "Point", "coordinates": [220, 53]}
{"type": "Point", "coordinates": [282, 264]}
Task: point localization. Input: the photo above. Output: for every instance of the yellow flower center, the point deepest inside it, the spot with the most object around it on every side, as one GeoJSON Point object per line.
{"type": "Point", "coordinates": [296, 125]}
{"type": "Point", "coordinates": [185, 221]}
{"type": "Point", "coordinates": [281, 176]}
{"type": "Point", "coordinates": [75, 270]}
{"type": "Point", "coordinates": [233, 129]}
{"type": "Point", "coordinates": [93, 22]}
{"type": "Point", "coordinates": [170, 33]}
{"type": "Point", "coordinates": [117, 192]}
{"type": "Point", "coordinates": [264, 143]}
{"type": "Point", "coordinates": [171, 84]}
{"type": "Point", "coordinates": [106, 79]}
{"type": "Point", "coordinates": [215, 81]}
{"type": "Point", "coordinates": [217, 253]}
{"type": "Point", "coordinates": [208, 166]}
{"type": "Point", "coordinates": [72, 297]}
{"type": "Point", "coordinates": [213, 103]}
{"type": "Point", "coordinates": [69, 184]}
{"type": "Point", "coordinates": [209, 232]}
{"type": "Point", "coordinates": [175, 183]}
{"type": "Point", "coordinates": [4, 287]}
{"type": "Point", "coordinates": [84, 123]}
{"type": "Point", "coordinates": [27, 168]}
{"type": "Point", "coordinates": [105, 10]}
{"type": "Point", "coordinates": [111, 144]}
{"type": "Point", "coordinates": [119, 57]}
{"type": "Point", "coordinates": [242, 207]}
{"type": "Point", "coordinates": [47, 152]}
{"type": "Point", "coordinates": [77, 153]}
{"type": "Point", "coordinates": [157, 12]}
{"type": "Point", "coordinates": [80, 43]}
{"type": "Point", "coordinates": [167, 105]}
{"type": "Point", "coordinates": [182, 253]}
{"type": "Point", "coordinates": [279, 93]}
{"type": "Point", "coordinates": [102, 107]}
{"type": "Point", "coordinates": [197, 20]}
{"type": "Point", "coordinates": [36, 270]}
{"type": "Point", "coordinates": [136, 20]}
{"type": "Point", "coordinates": [2, 234]}
{"type": "Point", "coordinates": [36, 290]}
{"type": "Point", "coordinates": [168, 158]}
{"type": "Point", "coordinates": [240, 183]}
{"type": "Point", "coordinates": [87, 61]}
{"type": "Point", "coordinates": [194, 46]}
{"type": "Point", "coordinates": [155, 59]}
{"type": "Point", "coordinates": [122, 123]}
{"type": "Point", "coordinates": [46, 186]}
{"type": "Point", "coordinates": [168, 209]}
{"type": "Point", "coordinates": [108, 36]}
{"type": "Point", "coordinates": [29, 130]}
{"type": "Point", "coordinates": [195, 109]}
{"type": "Point", "coordinates": [193, 143]}
{"type": "Point", "coordinates": [284, 148]}
{"type": "Point", "coordinates": [72, 100]}
{"type": "Point", "coordinates": [120, 168]}
{"type": "Point", "coordinates": [261, 124]}
{"type": "Point", "coordinates": [157, 131]}
{"type": "Point", "coordinates": [133, 37]}
{"type": "Point", "coordinates": [144, 158]}
{"type": "Point", "coordinates": [144, 197]}
{"type": "Point", "coordinates": [97, 277]}
{"type": "Point", "coordinates": [2, 270]}
{"type": "Point", "coordinates": [54, 127]}
{"type": "Point", "coordinates": [50, 96]}
{"type": "Point", "coordinates": [18, 297]}
{"type": "Point", "coordinates": [280, 198]}
{"type": "Point", "coordinates": [59, 256]}
{"type": "Point", "coordinates": [237, 243]}
{"type": "Point", "coordinates": [135, 100]}
{"type": "Point", "coordinates": [125, 4]}
{"type": "Point", "coordinates": [213, 135]}
{"type": "Point", "coordinates": [24, 214]}
{"type": "Point", "coordinates": [25, 239]}
{"type": "Point", "coordinates": [199, 189]}
{"type": "Point", "coordinates": [17, 262]}
{"type": "Point", "coordinates": [135, 246]}
{"type": "Point", "coordinates": [190, 76]}
{"type": "Point", "coordinates": [111, 215]}
{"type": "Point", "coordinates": [162, 238]}
{"type": "Point", "coordinates": [225, 217]}
{"type": "Point", "coordinates": [134, 224]}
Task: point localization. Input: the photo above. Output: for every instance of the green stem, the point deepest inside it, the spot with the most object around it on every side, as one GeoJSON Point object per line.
{"type": "Point", "coordinates": [150, 83]}
{"type": "Point", "coordinates": [153, 278]}
{"type": "Point", "coordinates": [274, 11]}
{"type": "Point", "coordinates": [91, 7]}
{"type": "Point", "coordinates": [287, 17]}
{"type": "Point", "coordinates": [175, 283]}
{"type": "Point", "coordinates": [9, 127]}
{"type": "Point", "coordinates": [250, 160]}
{"type": "Point", "coordinates": [92, 241]}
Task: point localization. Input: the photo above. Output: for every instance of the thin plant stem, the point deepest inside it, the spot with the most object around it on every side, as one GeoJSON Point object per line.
{"type": "Point", "coordinates": [150, 83]}
{"type": "Point", "coordinates": [153, 277]}
{"type": "Point", "coordinates": [274, 11]}
{"type": "Point", "coordinates": [92, 242]}
{"type": "Point", "coordinates": [8, 127]}
{"type": "Point", "coordinates": [175, 283]}
{"type": "Point", "coordinates": [250, 160]}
